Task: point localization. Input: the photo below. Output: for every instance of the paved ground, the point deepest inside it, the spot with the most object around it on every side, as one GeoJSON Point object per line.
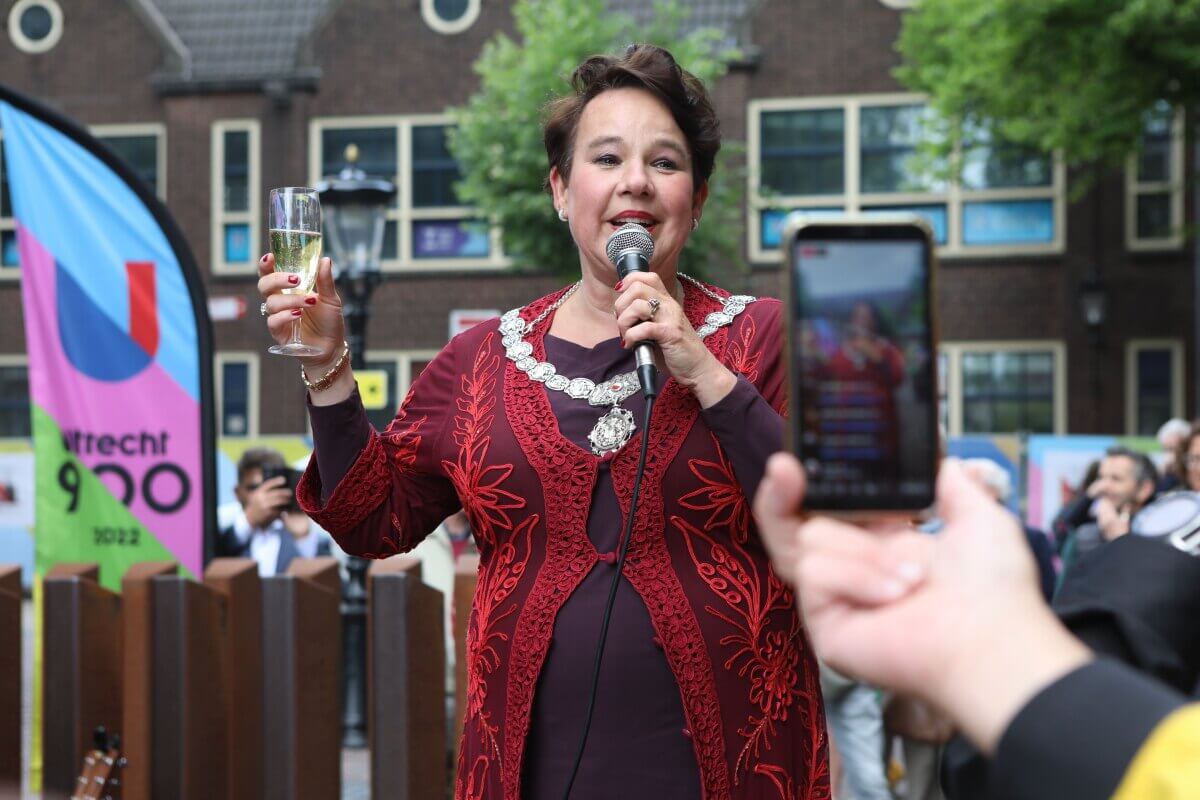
{"type": "Point", "coordinates": [356, 767]}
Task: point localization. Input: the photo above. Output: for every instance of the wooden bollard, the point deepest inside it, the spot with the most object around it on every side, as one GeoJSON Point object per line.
{"type": "Point", "coordinates": [406, 680]}
{"type": "Point", "coordinates": [81, 673]}
{"type": "Point", "coordinates": [237, 581]}
{"type": "Point", "coordinates": [10, 680]}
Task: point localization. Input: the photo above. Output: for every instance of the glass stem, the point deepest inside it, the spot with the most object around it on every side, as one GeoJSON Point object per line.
{"type": "Point", "coordinates": [296, 332]}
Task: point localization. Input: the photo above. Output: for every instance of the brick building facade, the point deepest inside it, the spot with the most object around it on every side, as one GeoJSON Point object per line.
{"type": "Point", "coordinates": [215, 103]}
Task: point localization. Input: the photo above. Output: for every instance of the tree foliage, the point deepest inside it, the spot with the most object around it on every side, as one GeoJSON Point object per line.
{"type": "Point", "coordinates": [498, 139]}
{"type": "Point", "coordinates": [1073, 76]}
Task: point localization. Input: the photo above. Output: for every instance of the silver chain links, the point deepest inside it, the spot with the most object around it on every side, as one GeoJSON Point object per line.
{"type": "Point", "coordinates": [612, 391]}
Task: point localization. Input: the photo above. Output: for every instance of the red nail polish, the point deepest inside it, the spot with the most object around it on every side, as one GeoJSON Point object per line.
{"type": "Point", "coordinates": [312, 301]}
{"type": "Point", "coordinates": [263, 260]}
{"type": "Point", "coordinates": [293, 278]}
{"type": "Point", "coordinates": [619, 285]}
{"type": "Point", "coordinates": [296, 312]}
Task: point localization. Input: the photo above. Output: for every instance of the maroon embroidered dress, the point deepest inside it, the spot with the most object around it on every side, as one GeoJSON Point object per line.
{"type": "Point", "coordinates": [708, 687]}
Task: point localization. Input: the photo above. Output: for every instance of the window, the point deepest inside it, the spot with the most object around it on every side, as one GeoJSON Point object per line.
{"type": "Point", "coordinates": [401, 368]}
{"type": "Point", "coordinates": [449, 16]}
{"type": "Point", "coordinates": [143, 148]}
{"type": "Point", "coordinates": [15, 410]}
{"type": "Point", "coordinates": [236, 232]}
{"type": "Point", "coordinates": [1005, 387]}
{"type": "Point", "coordinates": [858, 155]}
{"type": "Point", "coordinates": [1153, 384]}
{"type": "Point", "coordinates": [1154, 184]}
{"type": "Point", "coordinates": [237, 393]}
{"type": "Point", "coordinates": [427, 227]}
{"type": "Point", "coordinates": [35, 26]}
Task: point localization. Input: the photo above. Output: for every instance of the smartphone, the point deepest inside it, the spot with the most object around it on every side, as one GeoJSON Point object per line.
{"type": "Point", "coordinates": [862, 361]}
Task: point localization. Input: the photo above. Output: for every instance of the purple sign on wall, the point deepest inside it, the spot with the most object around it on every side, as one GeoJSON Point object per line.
{"type": "Point", "coordinates": [451, 238]}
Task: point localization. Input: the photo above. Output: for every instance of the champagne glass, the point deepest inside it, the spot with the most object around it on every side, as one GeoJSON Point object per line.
{"type": "Point", "coordinates": [294, 220]}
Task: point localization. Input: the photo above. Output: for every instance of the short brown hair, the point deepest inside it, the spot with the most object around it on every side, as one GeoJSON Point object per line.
{"type": "Point", "coordinates": [1181, 454]}
{"type": "Point", "coordinates": [258, 458]}
{"type": "Point", "coordinates": [646, 67]}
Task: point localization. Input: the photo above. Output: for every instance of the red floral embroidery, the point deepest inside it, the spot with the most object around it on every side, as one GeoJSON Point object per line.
{"type": "Point", "coordinates": [721, 493]}
{"type": "Point", "coordinates": [478, 486]}
{"type": "Point", "coordinates": [566, 475]}
{"type": "Point", "coordinates": [742, 357]}
{"type": "Point", "coordinates": [358, 493]}
{"type": "Point", "coordinates": [496, 584]}
{"type": "Point", "coordinates": [769, 658]}
{"type": "Point", "coordinates": [406, 440]}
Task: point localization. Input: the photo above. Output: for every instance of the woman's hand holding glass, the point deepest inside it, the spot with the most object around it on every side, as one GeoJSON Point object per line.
{"type": "Point", "coordinates": [319, 312]}
{"type": "Point", "coordinates": [683, 354]}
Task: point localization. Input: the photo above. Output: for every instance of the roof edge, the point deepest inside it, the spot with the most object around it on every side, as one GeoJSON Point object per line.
{"type": "Point", "coordinates": [150, 14]}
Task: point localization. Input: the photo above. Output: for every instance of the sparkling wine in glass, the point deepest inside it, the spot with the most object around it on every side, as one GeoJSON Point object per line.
{"type": "Point", "coordinates": [294, 221]}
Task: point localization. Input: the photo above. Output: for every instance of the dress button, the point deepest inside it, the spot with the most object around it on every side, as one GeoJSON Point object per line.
{"type": "Point", "coordinates": [687, 732]}
{"type": "Point", "coordinates": [608, 558]}
{"type": "Point", "coordinates": [657, 642]}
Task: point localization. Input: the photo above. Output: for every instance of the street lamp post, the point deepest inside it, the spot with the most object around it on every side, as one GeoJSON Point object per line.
{"type": "Point", "coordinates": [355, 208]}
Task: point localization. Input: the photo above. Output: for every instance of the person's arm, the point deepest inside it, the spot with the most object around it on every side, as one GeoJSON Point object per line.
{"type": "Point", "coordinates": [381, 493]}
{"type": "Point", "coordinates": [745, 421]}
{"type": "Point", "coordinates": [1082, 736]}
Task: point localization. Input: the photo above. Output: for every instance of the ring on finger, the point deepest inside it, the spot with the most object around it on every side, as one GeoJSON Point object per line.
{"type": "Point", "coordinates": [262, 308]}
{"type": "Point", "coordinates": [654, 304]}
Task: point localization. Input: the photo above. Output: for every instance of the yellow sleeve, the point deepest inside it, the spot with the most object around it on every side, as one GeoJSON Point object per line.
{"type": "Point", "coordinates": [1167, 767]}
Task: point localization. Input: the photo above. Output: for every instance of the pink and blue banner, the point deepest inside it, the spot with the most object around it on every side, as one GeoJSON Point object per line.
{"type": "Point", "coordinates": [119, 347]}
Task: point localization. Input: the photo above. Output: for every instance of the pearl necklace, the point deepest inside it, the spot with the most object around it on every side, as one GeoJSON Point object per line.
{"type": "Point", "coordinates": [613, 430]}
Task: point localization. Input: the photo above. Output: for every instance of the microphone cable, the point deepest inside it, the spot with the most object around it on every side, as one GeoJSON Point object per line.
{"type": "Point", "coordinates": [626, 537]}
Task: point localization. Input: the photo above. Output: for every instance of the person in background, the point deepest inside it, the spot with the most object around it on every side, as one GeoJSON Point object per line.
{"type": "Point", "coordinates": [1125, 484]}
{"type": "Point", "coordinates": [958, 620]}
{"type": "Point", "coordinates": [1187, 460]}
{"type": "Point", "coordinates": [270, 528]}
{"type": "Point", "coordinates": [994, 479]}
{"type": "Point", "coordinates": [854, 712]}
{"type": "Point", "coordinates": [1171, 438]}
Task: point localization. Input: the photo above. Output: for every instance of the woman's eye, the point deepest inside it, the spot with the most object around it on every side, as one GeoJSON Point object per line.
{"type": "Point", "coordinates": [666, 163]}
{"type": "Point", "coordinates": [606, 160]}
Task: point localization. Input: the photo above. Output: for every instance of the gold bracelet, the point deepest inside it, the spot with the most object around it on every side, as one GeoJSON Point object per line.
{"type": "Point", "coordinates": [329, 377]}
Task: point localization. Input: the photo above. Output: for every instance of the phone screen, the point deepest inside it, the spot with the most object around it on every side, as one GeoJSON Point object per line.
{"type": "Point", "coordinates": [864, 382]}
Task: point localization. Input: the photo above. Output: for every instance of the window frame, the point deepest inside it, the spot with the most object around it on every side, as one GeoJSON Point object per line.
{"type": "Point", "coordinates": [403, 213]}
{"type": "Point", "coordinates": [955, 197]}
{"type": "Point", "coordinates": [23, 42]}
{"type": "Point", "coordinates": [1174, 185]}
{"type": "Point", "coordinates": [1132, 348]}
{"type": "Point", "coordinates": [18, 360]}
{"type": "Point", "coordinates": [218, 216]}
{"type": "Point", "coordinates": [156, 129]}
{"type": "Point", "coordinates": [253, 361]}
{"type": "Point", "coordinates": [954, 383]}
{"type": "Point", "coordinates": [436, 23]}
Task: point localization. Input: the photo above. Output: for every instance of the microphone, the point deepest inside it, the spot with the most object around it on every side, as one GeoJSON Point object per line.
{"type": "Point", "coordinates": [630, 249]}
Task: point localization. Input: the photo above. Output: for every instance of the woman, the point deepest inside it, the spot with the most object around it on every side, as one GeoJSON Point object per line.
{"type": "Point", "coordinates": [707, 688]}
{"type": "Point", "coordinates": [1187, 459]}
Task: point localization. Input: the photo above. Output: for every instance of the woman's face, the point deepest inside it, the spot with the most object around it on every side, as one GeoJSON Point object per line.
{"type": "Point", "coordinates": [1192, 464]}
{"type": "Point", "coordinates": [630, 164]}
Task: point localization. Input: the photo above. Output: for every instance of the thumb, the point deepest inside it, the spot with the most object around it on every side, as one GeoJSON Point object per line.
{"type": "Point", "coordinates": [958, 497]}
{"type": "Point", "coordinates": [326, 287]}
{"type": "Point", "coordinates": [782, 491]}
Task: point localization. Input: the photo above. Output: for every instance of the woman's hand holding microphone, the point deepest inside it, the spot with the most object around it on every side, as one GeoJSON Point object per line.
{"type": "Point", "coordinates": [646, 311]}
{"type": "Point", "coordinates": [321, 324]}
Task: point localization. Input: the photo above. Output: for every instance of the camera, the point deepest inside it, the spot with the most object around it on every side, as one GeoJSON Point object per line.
{"type": "Point", "coordinates": [862, 361]}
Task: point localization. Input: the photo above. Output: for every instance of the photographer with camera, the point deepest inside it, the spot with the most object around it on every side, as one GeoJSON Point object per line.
{"type": "Point", "coordinates": [270, 528]}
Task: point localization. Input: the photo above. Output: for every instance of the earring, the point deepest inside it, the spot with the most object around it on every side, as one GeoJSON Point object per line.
{"type": "Point", "coordinates": [695, 223]}
{"type": "Point", "coordinates": [562, 215]}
